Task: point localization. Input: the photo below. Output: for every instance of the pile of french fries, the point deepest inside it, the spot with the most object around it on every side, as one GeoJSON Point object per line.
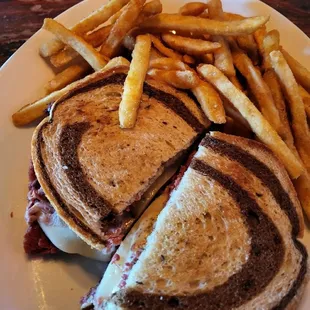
{"type": "Point", "coordinates": [237, 70]}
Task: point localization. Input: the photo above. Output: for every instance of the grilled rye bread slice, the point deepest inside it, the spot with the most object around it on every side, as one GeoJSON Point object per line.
{"type": "Point", "coordinates": [91, 170]}
{"type": "Point", "coordinates": [226, 239]}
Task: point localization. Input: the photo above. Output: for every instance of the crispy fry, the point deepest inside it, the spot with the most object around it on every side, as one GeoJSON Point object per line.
{"type": "Point", "coordinates": [215, 9]}
{"type": "Point", "coordinates": [189, 59]}
{"type": "Point", "coordinates": [67, 76]}
{"type": "Point", "coordinates": [222, 57]}
{"type": "Point", "coordinates": [285, 133]}
{"type": "Point", "coordinates": [236, 82]}
{"type": "Point", "coordinates": [210, 102]}
{"type": "Point", "coordinates": [87, 24]}
{"type": "Point", "coordinates": [192, 9]}
{"type": "Point", "coordinates": [94, 58]}
{"type": "Point", "coordinates": [232, 112]}
{"type": "Point", "coordinates": [246, 42]}
{"type": "Point", "coordinates": [133, 86]}
{"type": "Point", "coordinates": [190, 46]}
{"type": "Point", "coordinates": [165, 50]}
{"type": "Point", "coordinates": [259, 89]}
{"type": "Point", "coordinates": [179, 79]}
{"type": "Point", "coordinates": [95, 38]}
{"type": "Point", "coordinates": [296, 106]}
{"type": "Point", "coordinates": [197, 25]}
{"type": "Point", "coordinates": [37, 109]}
{"type": "Point", "coordinates": [258, 123]}
{"type": "Point", "coordinates": [208, 58]}
{"type": "Point", "coordinates": [271, 42]}
{"type": "Point", "coordinates": [301, 74]}
{"type": "Point", "coordinates": [155, 54]}
{"type": "Point", "coordinates": [165, 63]}
{"type": "Point", "coordinates": [124, 23]}
{"type": "Point", "coordinates": [302, 186]}
{"type": "Point", "coordinates": [259, 36]}
{"type": "Point", "coordinates": [306, 99]}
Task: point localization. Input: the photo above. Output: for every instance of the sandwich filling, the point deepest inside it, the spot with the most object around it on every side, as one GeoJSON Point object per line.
{"type": "Point", "coordinates": [47, 233]}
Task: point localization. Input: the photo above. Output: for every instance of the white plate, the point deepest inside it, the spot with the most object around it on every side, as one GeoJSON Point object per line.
{"type": "Point", "coordinates": [59, 282]}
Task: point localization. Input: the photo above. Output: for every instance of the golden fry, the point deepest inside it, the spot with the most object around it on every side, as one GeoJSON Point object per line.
{"type": "Point", "coordinates": [66, 77]}
{"type": "Point", "coordinates": [95, 38]}
{"type": "Point", "coordinates": [189, 59]}
{"type": "Point", "coordinates": [222, 57]}
{"type": "Point", "coordinates": [123, 24]}
{"type": "Point", "coordinates": [296, 106]}
{"type": "Point", "coordinates": [192, 8]}
{"type": "Point", "coordinates": [94, 58]}
{"type": "Point", "coordinates": [271, 42]}
{"type": "Point", "coordinates": [285, 133]}
{"type": "Point", "coordinates": [259, 89]}
{"type": "Point", "coordinates": [199, 26]}
{"type": "Point", "coordinates": [208, 58]}
{"type": "Point", "coordinates": [179, 79]}
{"type": "Point", "coordinates": [165, 50]}
{"type": "Point", "coordinates": [301, 74]}
{"type": "Point", "coordinates": [133, 86]}
{"type": "Point", "coordinates": [184, 45]}
{"type": "Point", "coordinates": [37, 109]}
{"type": "Point", "coordinates": [258, 123]}
{"type": "Point", "coordinates": [215, 9]}
{"type": "Point", "coordinates": [87, 24]}
{"type": "Point", "coordinates": [210, 102]}
{"type": "Point", "coordinates": [165, 63]}
{"type": "Point", "coordinates": [259, 36]}
{"type": "Point", "coordinates": [236, 82]}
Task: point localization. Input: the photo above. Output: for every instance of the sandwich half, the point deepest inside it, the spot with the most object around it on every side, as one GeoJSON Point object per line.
{"type": "Point", "coordinates": [92, 178]}
{"type": "Point", "coordinates": [226, 238]}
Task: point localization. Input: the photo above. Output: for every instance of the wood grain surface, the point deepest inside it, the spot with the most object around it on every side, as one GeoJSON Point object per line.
{"type": "Point", "coordinates": [20, 19]}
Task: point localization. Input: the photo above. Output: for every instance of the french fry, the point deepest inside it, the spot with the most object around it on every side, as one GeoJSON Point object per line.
{"type": "Point", "coordinates": [271, 42]}
{"type": "Point", "coordinates": [193, 8]}
{"type": "Point", "coordinates": [184, 45]}
{"type": "Point", "coordinates": [259, 36]}
{"type": "Point", "coordinates": [246, 42]}
{"type": "Point", "coordinates": [222, 57]}
{"type": "Point", "coordinates": [67, 76]}
{"type": "Point", "coordinates": [215, 9]}
{"type": "Point", "coordinates": [87, 24]}
{"type": "Point", "coordinates": [296, 106]}
{"type": "Point", "coordinates": [189, 59]}
{"type": "Point", "coordinates": [236, 82]}
{"type": "Point", "coordinates": [155, 54]}
{"type": "Point", "coordinates": [95, 38]}
{"type": "Point", "coordinates": [210, 102]}
{"type": "Point", "coordinates": [208, 58]}
{"type": "Point", "coordinates": [232, 112]}
{"type": "Point", "coordinates": [199, 26]}
{"type": "Point", "coordinates": [165, 63]}
{"type": "Point", "coordinates": [306, 99]}
{"type": "Point", "coordinates": [124, 23]}
{"type": "Point", "coordinates": [37, 109]}
{"type": "Point", "coordinates": [301, 74]}
{"type": "Point", "coordinates": [259, 89]}
{"type": "Point", "coordinates": [258, 123]}
{"type": "Point", "coordinates": [285, 133]}
{"type": "Point", "coordinates": [179, 79]}
{"type": "Point", "coordinates": [302, 186]}
{"type": "Point", "coordinates": [94, 58]}
{"type": "Point", "coordinates": [133, 86]}
{"type": "Point", "coordinates": [165, 50]}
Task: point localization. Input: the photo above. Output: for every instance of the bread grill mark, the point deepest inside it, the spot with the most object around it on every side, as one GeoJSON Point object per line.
{"type": "Point", "coordinates": [70, 138]}
{"type": "Point", "coordinates": [265, 258]}
{"type": "Point", "coordinates": [57, 197]}
{"type": "Point", "coordinates": [171, 102]}
{"type": "Point", "coordinates": [268, 178]}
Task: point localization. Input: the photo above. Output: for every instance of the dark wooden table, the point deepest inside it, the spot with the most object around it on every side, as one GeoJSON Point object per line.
{"type": "Point", "coordinates": [20, 19]}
